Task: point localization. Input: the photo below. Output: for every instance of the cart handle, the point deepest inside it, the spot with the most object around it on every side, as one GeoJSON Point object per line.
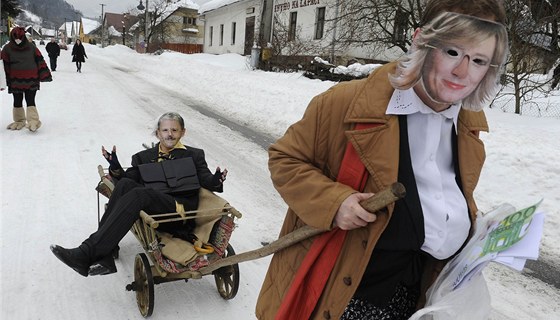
{"type": "Point", "coordinates": [372, 204]}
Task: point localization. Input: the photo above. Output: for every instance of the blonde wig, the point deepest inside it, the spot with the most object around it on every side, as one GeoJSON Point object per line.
{"type": "Point", "coordinates": [449, 28]}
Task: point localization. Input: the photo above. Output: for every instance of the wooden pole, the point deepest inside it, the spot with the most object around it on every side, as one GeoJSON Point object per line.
{"type": "Point", "coordinates": [373, 204]}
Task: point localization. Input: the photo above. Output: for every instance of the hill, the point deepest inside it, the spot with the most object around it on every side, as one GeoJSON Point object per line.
{"type": "Point", "coordinates": [53, 12]}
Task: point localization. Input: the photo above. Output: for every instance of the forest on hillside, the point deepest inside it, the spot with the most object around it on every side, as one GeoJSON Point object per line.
{"type": "Point", "coordinates": [53, 12]}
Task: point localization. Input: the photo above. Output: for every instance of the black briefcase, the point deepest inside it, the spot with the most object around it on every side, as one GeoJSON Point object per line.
{"type": "Point", "coordinates": [170, 176]}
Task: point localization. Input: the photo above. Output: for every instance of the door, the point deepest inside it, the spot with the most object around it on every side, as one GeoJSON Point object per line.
{"type": "Point", "coordinates": [249, 35]}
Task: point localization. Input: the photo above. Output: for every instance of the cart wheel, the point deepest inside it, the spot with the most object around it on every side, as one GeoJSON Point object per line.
{"type": "Point", "coordinates": [227, 278]}
{"type": "Point", "coordinates": [144, 283]}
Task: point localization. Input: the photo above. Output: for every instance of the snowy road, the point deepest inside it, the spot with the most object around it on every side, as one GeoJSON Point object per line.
{"type": "Point", "coordinates": [48, 197]}
{"type": "Point", "coordinates": [47, 193]}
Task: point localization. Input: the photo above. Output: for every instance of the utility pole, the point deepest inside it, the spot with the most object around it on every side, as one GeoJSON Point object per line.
{"type": "Point", "coordinates": [141, 7]}
{"type": "Point", "coordinates": [102, 25]}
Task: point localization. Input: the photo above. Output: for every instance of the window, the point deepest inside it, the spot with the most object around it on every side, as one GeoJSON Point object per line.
{"type": "Point", "coordinates": [233, 29]}
{"type": "Point", "coordinates": [320, 23]}
{"type": "Point", "coordinates": [211, 34]}
{"type": "Point", "coordinates": [221, 34]}
{"type": "Point", "coordinates": [189, 21]}
{"type": "Point", "coordinates": [293, 24]}
{"type": "Point", "coordinates": [400, 26]}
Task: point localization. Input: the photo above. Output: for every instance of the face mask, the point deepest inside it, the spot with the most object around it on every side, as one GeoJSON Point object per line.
{"type": "Point", "coordinates": [18, 41]}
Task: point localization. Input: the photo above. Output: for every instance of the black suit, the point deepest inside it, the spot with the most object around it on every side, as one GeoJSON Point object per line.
{"type": "Point", "coordinates": [130, 196]}
{"type": "Point", "coordinates": [54, 51]}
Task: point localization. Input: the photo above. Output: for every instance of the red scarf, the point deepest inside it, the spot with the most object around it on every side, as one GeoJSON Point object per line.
{"type": "Point", "coordinates": [313, 273]}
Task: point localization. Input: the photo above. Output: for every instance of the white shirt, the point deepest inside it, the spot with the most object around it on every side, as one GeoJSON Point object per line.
{"type": "Point", "coordinates": [446, 219]}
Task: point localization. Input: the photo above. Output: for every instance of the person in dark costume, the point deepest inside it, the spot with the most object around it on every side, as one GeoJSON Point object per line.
{"type": "Point", "coordinates": [54, 51]}
{"type": "Point", "coordinates": [79, 55]}
{"type": "Point", "coordinates": [132, 194]}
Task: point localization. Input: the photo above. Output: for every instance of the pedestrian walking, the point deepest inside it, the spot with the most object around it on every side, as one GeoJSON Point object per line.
{"type": "Point", "coordinates": [53, 49]}
{"type": "Point", "coordinates": [78, 55]}
{"type": "Point", "coordinates": [25, 68]}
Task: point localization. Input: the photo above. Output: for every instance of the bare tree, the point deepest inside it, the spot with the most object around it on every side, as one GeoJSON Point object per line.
{"type": "Point", "coordinates": [287, 46]}
{"type": "Point", "coordinates": [533, 29]}
{"type": "Point", "coordinates": [532, 51]}
{"type": "Point", "coordinates": [372, 24]}
{"type": "Point", "coordinates": [156, 28]}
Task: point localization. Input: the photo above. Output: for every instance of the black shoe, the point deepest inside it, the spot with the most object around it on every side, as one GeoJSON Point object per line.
{"type": "Point", "coordinates": [74, 258]}
{"type": "Point", "coordinates": [103, 267]}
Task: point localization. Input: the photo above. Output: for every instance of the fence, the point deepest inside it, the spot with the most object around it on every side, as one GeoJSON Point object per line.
{"type": "Point", "coordinates": [187, 48]}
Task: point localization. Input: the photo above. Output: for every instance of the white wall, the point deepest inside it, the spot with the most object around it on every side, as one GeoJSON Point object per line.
{"type": "Point", "coordinates": [236, 12]}
{"type": "Point", "coordinates": [306, 25]}
{"type": "Point", "coordinates": [306, 18]}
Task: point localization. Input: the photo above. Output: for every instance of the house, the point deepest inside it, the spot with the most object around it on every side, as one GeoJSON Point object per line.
{"type": "Point", "coordinates": [33, 32]}
{"type": "Point", "coordinates": [116, 28]}
{"type": "Point", "coordinates": [297, 30]}
{"type": "Point", "coordinates": [173, 26]}
{"type": "Point", "coordinates": [235, 26]}
{"type": "Point", "coordinates": [69, 31]}
{"type": "Point", "coordinates": [86, 30]}
{"type": "Point", "coordinates": [48, 33]}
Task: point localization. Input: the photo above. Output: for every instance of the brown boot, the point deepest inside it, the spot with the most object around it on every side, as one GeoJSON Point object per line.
{"type": "Point", "coordinates": [19, 119]}
{"type": "Point", "coordinates": [33, 122]}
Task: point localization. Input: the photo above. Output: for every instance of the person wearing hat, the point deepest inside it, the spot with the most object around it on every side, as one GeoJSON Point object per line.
{"type": "Point", "coordinates": [25, 68]}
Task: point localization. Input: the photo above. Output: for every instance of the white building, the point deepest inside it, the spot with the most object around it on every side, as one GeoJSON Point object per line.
{"type": "Point", "coordinates": [234, 26]}
{"type": "Point", "coordinates": [296, 27]}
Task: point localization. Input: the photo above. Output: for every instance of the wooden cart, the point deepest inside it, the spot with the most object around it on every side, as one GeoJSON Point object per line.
{"type": "Point", "coordinates": [154, 267]}
{"type": "Point", "coordinates": [214, 213]}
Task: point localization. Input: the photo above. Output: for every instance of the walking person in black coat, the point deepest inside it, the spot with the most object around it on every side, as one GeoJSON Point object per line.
{"type": "Point", "coordinates": [79, 55]}
{"type": "Point", "coordinates": [132, 194]}
{"type": "Point", "coordinates": [54, 51]}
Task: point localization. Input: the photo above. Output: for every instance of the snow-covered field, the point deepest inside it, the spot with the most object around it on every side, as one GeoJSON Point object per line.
{"type": "Point", "coordinates": [48, 178]}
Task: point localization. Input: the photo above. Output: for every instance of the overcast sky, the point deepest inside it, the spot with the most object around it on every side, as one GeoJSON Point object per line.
{"type": "Point", "coordinates": [92, 9]}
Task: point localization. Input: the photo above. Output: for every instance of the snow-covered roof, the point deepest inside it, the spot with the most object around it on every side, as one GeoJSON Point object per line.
{"type": "Point", "coordinates": [215, 4]}
{"type": "Point", "coordinates": [89, 25]}
{"type": "Point", "coordinates": [192, 30]}
{"type": "Point", "coordinates": [72, 28]}
{"type": "Point", "coordinates": [48, 32]}
{"type": "Point", "coordinates": [113, 32]}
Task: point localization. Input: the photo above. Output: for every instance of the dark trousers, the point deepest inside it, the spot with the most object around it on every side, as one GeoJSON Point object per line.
{"type": "Point", "coordinates": [53, 63]}
{"type": "Point", "coordinates": [78, 65]}
{"type": "Point", "coordinates": [123, 209]}
{"type": "Point", "coordinates": [29, 98]}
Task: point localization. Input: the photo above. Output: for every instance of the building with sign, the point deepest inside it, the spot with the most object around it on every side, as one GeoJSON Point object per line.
{"type": "Point", "coordinates": [289, 28]}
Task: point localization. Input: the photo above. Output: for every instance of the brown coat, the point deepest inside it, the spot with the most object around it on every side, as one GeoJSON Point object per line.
{"type": "Point", "coordinates": [304, 165]}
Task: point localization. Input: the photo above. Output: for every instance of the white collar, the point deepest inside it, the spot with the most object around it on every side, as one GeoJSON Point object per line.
{"type": "Point", "coordinates": [405, 102]}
